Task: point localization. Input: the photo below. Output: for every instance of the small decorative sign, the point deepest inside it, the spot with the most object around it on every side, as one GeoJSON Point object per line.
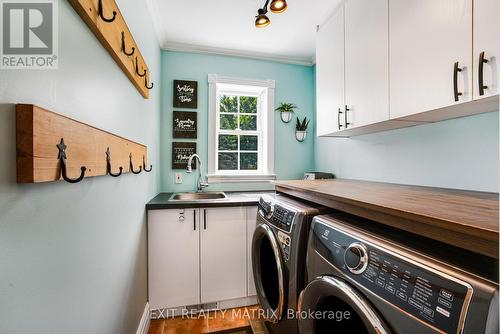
{"type": "Point", "coordinates": [185, 124]}
{"type": "Point", "coordinates": [185, 94]}
{"type": "Point", "coordinates": [181, 153]}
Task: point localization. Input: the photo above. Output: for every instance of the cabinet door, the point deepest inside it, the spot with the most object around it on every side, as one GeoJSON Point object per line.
{"type": "Point", "coordinates": [487, 40]}
{"type": "Point", "coordinates": [426, 38]}
{"type": "Point", "coordinates": [366, 61]}
{"type": "Point", "coordinates": [173, 247]}
{"type": "Point", "coordinates": [223, 254]}
{"type": "Point", "coordinates": [251, 224]}
{"type": "Point", "coordinates": [330, 74]}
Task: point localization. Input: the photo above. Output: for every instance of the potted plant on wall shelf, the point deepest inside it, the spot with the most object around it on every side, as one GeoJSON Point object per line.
{"type": "Point", "coordinates": [286, 110]}
{"type": "Point", "coordinates": [301, 129]}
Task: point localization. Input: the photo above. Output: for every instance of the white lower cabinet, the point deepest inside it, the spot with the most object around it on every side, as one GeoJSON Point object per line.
{"type": "Point", "coordinates": [251, 224]}
{"type": "Point", "coordinates": [173, 261]}
{"type": "Point", "coordinates": [198, 256]}
{"type": "Point", "coordinates": [223, 254]}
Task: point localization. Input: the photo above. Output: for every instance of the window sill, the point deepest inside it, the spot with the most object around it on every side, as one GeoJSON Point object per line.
{"type": "Point", "coordinates": [240, 178]}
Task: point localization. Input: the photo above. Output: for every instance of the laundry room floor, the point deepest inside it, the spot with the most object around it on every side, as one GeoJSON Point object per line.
{"type": "Point", "coordinates": [242, 320]}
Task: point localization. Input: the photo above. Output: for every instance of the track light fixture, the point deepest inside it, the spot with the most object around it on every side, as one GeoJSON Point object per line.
{"type": "Point", "coordinates": [262, 20]}
{"type": "Point", "coordinates": [277, 6]}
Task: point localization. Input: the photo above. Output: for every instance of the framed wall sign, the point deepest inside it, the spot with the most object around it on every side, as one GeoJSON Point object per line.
{"type": "Point", "coordinates": [185, 94]}
{"type": "Point", "coordinates": [185, 124]}
{"type": "Point", "coordinates": [181, 151]}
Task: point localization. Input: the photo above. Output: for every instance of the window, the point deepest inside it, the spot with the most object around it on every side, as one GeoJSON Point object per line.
{"type": "Point", "coordinates": [240, 130]}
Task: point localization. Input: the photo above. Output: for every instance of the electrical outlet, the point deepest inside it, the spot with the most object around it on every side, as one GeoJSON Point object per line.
{"type": "Point", "coordinates": [178, 178]}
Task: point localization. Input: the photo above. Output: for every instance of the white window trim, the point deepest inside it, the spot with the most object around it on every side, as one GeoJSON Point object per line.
{"type": "Point", "coordinates": [265, 175]}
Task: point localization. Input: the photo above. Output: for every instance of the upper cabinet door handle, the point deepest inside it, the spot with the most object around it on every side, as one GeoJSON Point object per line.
{"type": "Point", "coordinates": [338, 119]}
{"type": "Point", "coordinates": [482, 61]}
{"type": "Point", "coordinates": [345, 115]}
{"type": "Point", "coordinates": [456, 69]}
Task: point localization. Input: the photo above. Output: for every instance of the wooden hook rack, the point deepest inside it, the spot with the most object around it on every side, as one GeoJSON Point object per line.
{"type": "Point", "coordinates": [112, 31]}
{"type": "Point", "coordinates": [42, 137]}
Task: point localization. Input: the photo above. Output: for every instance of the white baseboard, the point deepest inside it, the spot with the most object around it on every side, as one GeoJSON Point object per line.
{"type": "Point", "coordinates": [145, 320]}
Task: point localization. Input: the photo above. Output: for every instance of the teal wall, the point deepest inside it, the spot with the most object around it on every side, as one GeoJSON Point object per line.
{"type": "Point", "coordinates": [461, 153]}
{"type": "Point", "coordinates": [294, 83]}
{"type": "Point", "coordinates": [73, 257]}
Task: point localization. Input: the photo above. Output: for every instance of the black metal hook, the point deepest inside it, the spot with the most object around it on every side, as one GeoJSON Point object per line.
{"type": "Point", "coordinates": [100, 12]}
{"type": "Point", "coordinates": [144, 165]}
{"type": "Point", "coordinates": [132, 166]}
{"type": "Point", "coordinates": [146, 84]}
{"type": "Point", "coordinates": [108, 165]}
{"type": "Point", "coordinates": [123, 46]}
{"type": "Point", "coordinates": [62, 158]}
{"type": "Point", "coordinates": [137, 69]}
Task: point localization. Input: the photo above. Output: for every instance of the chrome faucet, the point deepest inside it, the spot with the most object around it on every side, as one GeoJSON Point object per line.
{"type": "Point", "coordinates": [201, 184]}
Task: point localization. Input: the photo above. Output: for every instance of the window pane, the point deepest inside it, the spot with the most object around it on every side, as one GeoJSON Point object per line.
{"type": "Point", "coordinates": [248, 104]}
{"type": "Point", "coordinates": [248, 161]}
{"type": "Point", "coordinates": [228, 104]}
{"type": "Point", "coordinates": [228, 142]}
{"type": "Point", "coordinates": [248, 143]}
{"type": "Point", "coordinates": [248, 122]}
{"type": "Point", "coordinates": [228, 122]}
{"type": "Point", "coordinates": [228, 161]}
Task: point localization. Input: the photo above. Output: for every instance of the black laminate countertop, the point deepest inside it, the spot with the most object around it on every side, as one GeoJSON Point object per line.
{"type": "Point", "coordinates": [239, 198]}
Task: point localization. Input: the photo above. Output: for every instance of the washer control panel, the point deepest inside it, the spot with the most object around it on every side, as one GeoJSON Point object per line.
{"type": "Point", "coordinates": [277, 215]}
{"type": "Point", "coordinates": [434, 298]}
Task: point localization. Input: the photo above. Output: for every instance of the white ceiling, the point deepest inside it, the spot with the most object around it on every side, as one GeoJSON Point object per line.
{"type": "Point", "coordinates": [227, 26]}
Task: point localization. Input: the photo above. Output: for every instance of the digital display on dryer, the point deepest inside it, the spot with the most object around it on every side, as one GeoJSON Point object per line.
{"type": "Point", "coordinates": [428, 296]}
{"type": "Point", "coordinates": [282, 218]}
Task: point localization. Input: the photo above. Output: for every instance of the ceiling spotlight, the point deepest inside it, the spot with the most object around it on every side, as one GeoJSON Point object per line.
{"type": "Point", "coordinates": [262, 20]}
{"type": "Point", "coordinates": [278, 6]}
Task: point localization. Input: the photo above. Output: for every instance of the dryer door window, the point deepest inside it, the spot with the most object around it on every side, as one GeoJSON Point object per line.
{"type": "Point", "coordinates": [330, 305]}
{"type": "Point", "coordinates": [269, 273]}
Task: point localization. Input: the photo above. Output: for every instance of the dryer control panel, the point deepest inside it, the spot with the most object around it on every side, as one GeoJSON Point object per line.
{"type": "Point", "coordinates": [277, 215]}
{"type": "Point", "coordinates": [433, 297]}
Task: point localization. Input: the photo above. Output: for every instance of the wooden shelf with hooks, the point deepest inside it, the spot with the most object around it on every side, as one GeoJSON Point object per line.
{"type": "Point", "coordinates": [39, 131]}
{"type": "Point", "coordinates": [110, 35]}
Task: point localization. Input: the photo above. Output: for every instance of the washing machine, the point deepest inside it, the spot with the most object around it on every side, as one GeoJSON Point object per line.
{"type": "Point", "coordinates": [368, 278]}
{"type": "Point", "coordinates": [278, 258]}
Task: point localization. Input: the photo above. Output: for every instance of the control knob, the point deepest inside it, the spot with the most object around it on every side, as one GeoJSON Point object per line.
{"type": "Point", "coordinates": [268, 209]}
{"type": "Point", "coordinates": [356, 258]}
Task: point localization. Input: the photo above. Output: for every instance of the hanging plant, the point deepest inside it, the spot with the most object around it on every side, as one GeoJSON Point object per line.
{"type": "Point", "coordinates": [286, 111]}
{"type": "Point", "coordinates": [301, 129]}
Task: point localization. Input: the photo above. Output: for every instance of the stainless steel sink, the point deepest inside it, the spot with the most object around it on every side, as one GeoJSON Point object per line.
{"type": "Point", "coordinates": [193, 197]}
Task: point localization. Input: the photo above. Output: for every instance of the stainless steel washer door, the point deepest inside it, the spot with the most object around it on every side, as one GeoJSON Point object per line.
{"type": "Point", "coordinates": [269, 273]}
{"type": "Point", "coordinates": [330, 305]}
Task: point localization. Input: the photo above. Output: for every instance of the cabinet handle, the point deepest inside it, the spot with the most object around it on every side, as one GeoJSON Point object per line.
{"type": "Point", "coordinates": [338, 119]}
{"type": "Point", "coordinates": [346, 122]}
{"type": "Point", "coordinates": [482, 61]}
{"type": "Point", "coordinates": [194, 220]}
{"type": "Point", "coordinates": [456, 69]}
{"type": "Point", "coordinates": [204, 219]}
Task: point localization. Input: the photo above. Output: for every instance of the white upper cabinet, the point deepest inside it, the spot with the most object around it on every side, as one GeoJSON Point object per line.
{"type": "Point", "coordinates": [173, 261]}
{"type": "Point", "coordinates": [487, 40]}
{"type": "Point", "coordinates": [223, 254]}
{"type": "Point", "coordinates": [330, 74]}
{"type": "Point", "coordinates": [366, 62]}
{"type": "Point", "coordinates": [426, 39]}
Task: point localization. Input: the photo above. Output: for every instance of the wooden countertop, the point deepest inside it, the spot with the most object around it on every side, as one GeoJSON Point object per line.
{"type": "Point", "coordinates": [466, 219]}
